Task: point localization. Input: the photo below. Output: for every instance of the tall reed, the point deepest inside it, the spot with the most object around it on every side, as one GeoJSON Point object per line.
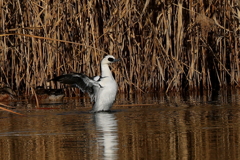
{"type": "Point", "coordinates": [165, 45]}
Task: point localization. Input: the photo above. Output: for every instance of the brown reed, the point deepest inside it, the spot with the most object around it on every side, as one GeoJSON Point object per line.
{"type": "Point", "coordinates": [165, 45]}
{"type": "Point", "coordinates": [8, 110]}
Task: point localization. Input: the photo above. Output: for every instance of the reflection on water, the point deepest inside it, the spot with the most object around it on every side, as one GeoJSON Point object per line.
{"type": "Point", "coordinates": [165, 127]}
{"type": "Point", "coordinates": [107, 138]}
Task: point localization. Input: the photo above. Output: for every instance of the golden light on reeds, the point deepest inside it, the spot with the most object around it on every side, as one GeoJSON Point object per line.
{"type": "Point", "coordinates": [164, 45]}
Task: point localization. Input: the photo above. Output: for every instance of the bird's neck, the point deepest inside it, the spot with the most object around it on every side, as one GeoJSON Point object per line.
{"type": "Point", "coordinates": [106, 72]}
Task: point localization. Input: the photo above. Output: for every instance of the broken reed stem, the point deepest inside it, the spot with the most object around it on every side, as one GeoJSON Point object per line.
{"type": "Point", "coordinates": [9, 110]}
{"type": "Point", "coordinates": [164, 45]}
{"type": "Point", "coordinates": [51, 39]}
{"type": "Point", "coordinates": [36, 98]}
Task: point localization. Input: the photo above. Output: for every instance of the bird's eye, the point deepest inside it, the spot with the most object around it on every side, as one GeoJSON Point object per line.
{"type": "Point", "coordinates": [111, 59]}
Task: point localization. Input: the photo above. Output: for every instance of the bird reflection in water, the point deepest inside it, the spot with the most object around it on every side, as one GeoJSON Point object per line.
{"type": "Point", "coordinates": [107, 137]}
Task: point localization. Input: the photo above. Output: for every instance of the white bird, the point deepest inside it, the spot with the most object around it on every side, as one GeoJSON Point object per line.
{"type": "Point", "coordinates": [102, 89]}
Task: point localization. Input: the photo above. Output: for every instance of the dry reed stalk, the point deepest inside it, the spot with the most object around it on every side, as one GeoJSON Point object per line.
{"type": "Point", "coordinates": [4, 109]}
{"type": "Point", "coordinates": [36, 98]}
{"type": "Point", "coordinates": [164, 45]}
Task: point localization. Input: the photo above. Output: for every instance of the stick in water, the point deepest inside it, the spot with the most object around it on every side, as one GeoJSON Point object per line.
{"type": "Point", "coordinates": [8, 110]}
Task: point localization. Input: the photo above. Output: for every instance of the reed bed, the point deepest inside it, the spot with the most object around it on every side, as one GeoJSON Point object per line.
{"type": "Point", "coordinates": [164, 45]}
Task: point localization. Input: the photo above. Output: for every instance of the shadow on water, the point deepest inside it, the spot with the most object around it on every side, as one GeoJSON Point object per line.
{"type": "Point", "coordinates": [144, 126]}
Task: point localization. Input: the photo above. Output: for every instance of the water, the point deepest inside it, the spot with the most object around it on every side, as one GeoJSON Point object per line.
{"type": "Point", "coordinates": [139, 127]}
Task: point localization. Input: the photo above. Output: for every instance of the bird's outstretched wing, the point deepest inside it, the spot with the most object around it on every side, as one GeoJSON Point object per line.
{"type": "Point", "coordinates": [83, 82]}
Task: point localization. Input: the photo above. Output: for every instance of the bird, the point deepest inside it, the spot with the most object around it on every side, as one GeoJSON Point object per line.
{"type": "Point", "coordinates": [101, 89]}
{"type": "Point", "coordinates": [7, 94]}
{"type": "Point", "coordinates": [48, 94]}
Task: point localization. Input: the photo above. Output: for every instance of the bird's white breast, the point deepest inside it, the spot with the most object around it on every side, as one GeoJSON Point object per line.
{"type": "Point", "coordinates": [105, 95]}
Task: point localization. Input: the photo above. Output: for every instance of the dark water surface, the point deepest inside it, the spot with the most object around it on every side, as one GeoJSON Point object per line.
{"type": "Point", "coordinates": [140, 127]}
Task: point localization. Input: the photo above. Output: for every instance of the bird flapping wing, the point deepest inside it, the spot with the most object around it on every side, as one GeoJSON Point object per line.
{"type": "Point", "coordinates": [83, 82]}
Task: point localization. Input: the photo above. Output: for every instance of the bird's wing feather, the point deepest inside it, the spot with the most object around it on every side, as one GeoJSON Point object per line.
{"type": "Point", "coordinates": [83, 82]}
